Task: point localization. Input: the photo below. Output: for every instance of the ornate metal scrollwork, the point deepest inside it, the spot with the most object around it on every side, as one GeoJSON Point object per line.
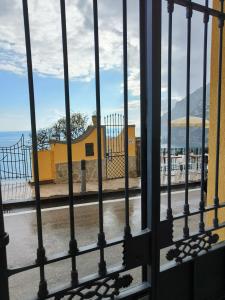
{"type": "Point", "coordinates": [107, 288]}
{"type": "Point", "coordinates": [192, 247]}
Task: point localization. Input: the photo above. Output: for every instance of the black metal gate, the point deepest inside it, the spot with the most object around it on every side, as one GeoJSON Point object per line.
{"type": "Point", "coordinates": [115, 154]}
{"type": "Point", "coordinates": [194, 275]}
{"type": "Point", "coordinates": [15, 161]}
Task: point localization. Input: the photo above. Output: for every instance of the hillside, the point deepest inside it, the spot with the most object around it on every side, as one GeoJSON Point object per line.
{"type": "Point", "coordinates": [179, 110]}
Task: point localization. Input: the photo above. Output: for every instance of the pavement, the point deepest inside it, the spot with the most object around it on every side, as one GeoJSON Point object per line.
{"type": "Point", "coordinates": [22, 229]}
{"type": "Point", "coordinates": [21, 190]}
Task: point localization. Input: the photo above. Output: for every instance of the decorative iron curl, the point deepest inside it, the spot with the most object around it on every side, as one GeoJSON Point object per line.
{"type": "Point", "coordinates": [192, 247]}
{"type": "Point", "coordinates": [103, 289]}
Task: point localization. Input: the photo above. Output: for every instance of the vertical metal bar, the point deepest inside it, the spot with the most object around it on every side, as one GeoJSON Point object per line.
{"type": "Point", "coordinates": [30, 161]}
{"type": "Point", "coordinates": [118, 134]}
{"type": "Point", "coordinates": [170, 29]}
{"type": "Point", "coordinates": [110, 127]}
{"type": "Point", "coordinates": [7, 161]}
{"type": "Point", "coordinates": [122, 129]}
{"type": "Point", "coordinates": [26, 162]}
{"type": "Point", "coordinates": [112, 133]}
{"type": "Point", "coordinates": [220, 63]}
{"type": "Point", "coordinates": [186, 205]}
{"type": "Point", "coordinates": [106, 132]}
{"type": "Point", "coordinates": [23, 157]}
{"type": "Point", "coordinates": [19, 157]}
{"type": "Point", "coordinates": [4, 240]}
{"type": "Point", "coordinates": [119, 145]}
{"type": "Point", "coordinates": [73, 243]}
{"type": "Point", "coordinates": [153, 123]}
{"type": "Point", "coordinates": [202, 201]}
{"type": "Point", "coordinates": [41, 250]}
{"type": "Point", "coordinates": [127, 230]}
{"type": "Point", "coordinates": [107, 143]}
{"type": "Point", "coordinates": [109, 134]}
{"type": "Point", "coordinates": [142, 10]}
{"type": "Point", "coordinates": [101, 235]}
{"type": "Point", "coordinates": [1, 161]}
{"type": "Point", "coordinates": [3, 155]}
{"type": "Point", "coordinates": [11, 161]}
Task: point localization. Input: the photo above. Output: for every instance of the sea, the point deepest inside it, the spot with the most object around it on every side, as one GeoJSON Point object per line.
{"type": "Point", "coordinates": [9, 138]}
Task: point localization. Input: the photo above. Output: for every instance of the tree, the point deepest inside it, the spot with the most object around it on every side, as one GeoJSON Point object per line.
{"type": "Point", "coordinates": [58, 132]}
{"type": "Point", "coordinates": [43, 137]}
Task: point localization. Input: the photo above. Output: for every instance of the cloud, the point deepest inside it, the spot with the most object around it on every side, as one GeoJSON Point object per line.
{"type": "Point", "coordinates": [46, 42]}
{"type": "Point", "coordinates": [45, 26]}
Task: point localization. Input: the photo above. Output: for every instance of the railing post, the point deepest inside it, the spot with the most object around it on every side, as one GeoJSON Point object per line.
{"type": "Point", "coordinates": [83, 176]}
{"type": "Point", "coordinates": [4, 240]}
{"type": "Point", "coordinates": [151, 101]}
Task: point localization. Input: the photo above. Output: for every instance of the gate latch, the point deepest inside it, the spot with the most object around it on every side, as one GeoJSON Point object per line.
{"type": "Point", "coordinates": [137, 250]}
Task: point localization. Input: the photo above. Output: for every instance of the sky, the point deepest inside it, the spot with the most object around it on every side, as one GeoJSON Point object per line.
{"type": "Point", "coordinates": [47, 58]}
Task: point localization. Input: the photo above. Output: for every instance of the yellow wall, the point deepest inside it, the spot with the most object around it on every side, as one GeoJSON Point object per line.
{"type": "Point", "coordinates": [46, 165]}
{"type": "Point", "coordinates": [78, 148]}
{"type": "Point", "coordinates": [48, 159]}
{"type": "Point", "coordinates": [213, 124]}
{"type": "Point", "coordinates": [131, 141]}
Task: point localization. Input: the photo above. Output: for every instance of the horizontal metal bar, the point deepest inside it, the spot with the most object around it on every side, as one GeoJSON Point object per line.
{"type": "Point", "coordinates": [196, 212]}
{"type": "Point", "coordinates": [200, 8]}
{"type": "Point", "coordinates": [65, 255]}
{"type": "Point", "coordinates": [136, 291]}
{"type": "Point", "coordinates": [220, 226]}
{"type": "Point", "coordinates": [88, 280]}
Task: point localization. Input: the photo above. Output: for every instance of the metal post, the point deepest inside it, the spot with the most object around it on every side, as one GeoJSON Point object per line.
{"type": "Point", "coordinates": [73, 242]}
{"type": "Point", "coordinates": [143, 142]}
{"type": "Point", "coordinates": [4, 240]}
{"type": "Point", "coordinates": [152, 96]}
{"type": "Point", "coordinates": [127, 229]}
{"type": "Point", "coordinates": [101, 235]}
{"type": "Point", "coordinates": [83, 176]}
{"type": "Point", "coordinates": [41, 258]}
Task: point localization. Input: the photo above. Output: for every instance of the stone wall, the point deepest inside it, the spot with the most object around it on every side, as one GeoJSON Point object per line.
{"type": "Point", "coordinates": [132, 166]}
{"type": "Point", "coordinates": [61, 173]}
{"type": "Point", "coordinates": [91, 171]}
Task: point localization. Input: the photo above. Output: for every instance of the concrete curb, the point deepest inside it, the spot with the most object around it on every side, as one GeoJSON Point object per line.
{"type": "Point", "coordinates": [86, 197]}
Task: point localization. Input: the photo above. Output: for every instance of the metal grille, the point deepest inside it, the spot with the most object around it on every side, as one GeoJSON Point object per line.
{"type": "Point", "coordinates": [95, 282]}
{"type": "Point", "coordinates": [141, 249]}
{"type": "Point", "coordinates": [15, 161]}
{"type": "Point", "coordinates": [184, 245]}
{"type": "Point", "coordinates": [115, 155]}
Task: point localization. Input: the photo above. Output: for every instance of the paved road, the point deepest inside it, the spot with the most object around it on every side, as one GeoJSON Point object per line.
{"type": "Point", "coordinates": [22, 229]}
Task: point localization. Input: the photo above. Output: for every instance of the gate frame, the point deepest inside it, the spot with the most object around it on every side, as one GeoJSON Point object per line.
{"type": "Point", "coordinates": [143, 249]}
{"type": "Point", "coordinates": [151, 64]}
{"type": "Point", "coordinates": [152, 25]}
{"type": "Point", "coordinates": [4, 240]}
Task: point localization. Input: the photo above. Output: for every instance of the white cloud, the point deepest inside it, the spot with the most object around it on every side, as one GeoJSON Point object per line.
{"type": "Point", "coordinates": [45, 25]}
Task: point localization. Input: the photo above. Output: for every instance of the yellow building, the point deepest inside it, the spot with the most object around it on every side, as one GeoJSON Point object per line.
{"type": "Point", "coordinates": [213, 126]}
{"type": "Point", "coordinates": [53, 162]}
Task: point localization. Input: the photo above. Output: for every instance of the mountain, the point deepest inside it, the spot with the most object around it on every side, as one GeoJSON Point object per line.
{"type": "Point", "coordinates": [179, 111]}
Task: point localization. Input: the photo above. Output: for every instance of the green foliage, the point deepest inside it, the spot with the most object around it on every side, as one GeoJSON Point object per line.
{"type": "Point", "coordinates": [58, 132]}
{"type": "Point", "coordinates": [43, 137]}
